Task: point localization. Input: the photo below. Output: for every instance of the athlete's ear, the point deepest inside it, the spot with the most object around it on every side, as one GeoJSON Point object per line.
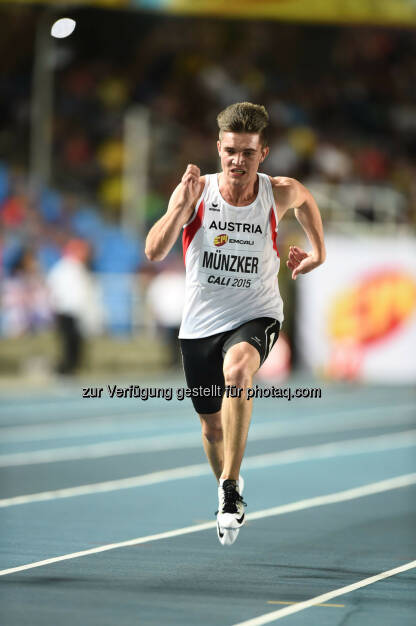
{"type": "Point", "coordinates": [264, 152]}
{"type": "Point", "coordinates": [219, 147]}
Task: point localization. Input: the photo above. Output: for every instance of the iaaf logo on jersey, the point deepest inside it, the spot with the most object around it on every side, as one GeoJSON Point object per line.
{"type": "Point", "coordinates": [220, 240]}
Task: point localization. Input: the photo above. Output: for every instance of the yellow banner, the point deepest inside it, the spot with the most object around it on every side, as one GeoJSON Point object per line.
{"type": "Point", "coordinates": [382, 12]}
{"type": "Point", "coordinates": [393, 12]}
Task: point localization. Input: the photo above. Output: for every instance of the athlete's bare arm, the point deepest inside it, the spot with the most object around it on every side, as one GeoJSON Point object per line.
{"type": "Point", "coordinates": [164, 233]}
{"type": "Point", "coordinates": [291, 194]}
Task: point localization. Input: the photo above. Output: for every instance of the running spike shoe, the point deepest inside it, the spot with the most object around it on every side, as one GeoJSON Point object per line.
{"type": "Point", "coordinates": [231, 512]}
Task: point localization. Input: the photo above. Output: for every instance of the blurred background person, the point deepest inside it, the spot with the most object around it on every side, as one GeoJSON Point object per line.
{"type": "Point", "coordinates": [25, 299]}
{"type": "Point", "coordinates": [166, 298]}
{"type": "Point", "coordinates": [74, 303]}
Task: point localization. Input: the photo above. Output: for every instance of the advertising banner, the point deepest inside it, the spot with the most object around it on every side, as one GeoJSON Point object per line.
{"type": "Point", "coordinates": [357, 312]}
{"type": "Point", "coordinates": [382, 12]}
{"type": "Point", "coordinates": [400, 12]}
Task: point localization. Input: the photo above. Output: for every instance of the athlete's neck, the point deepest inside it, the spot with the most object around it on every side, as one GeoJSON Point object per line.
{"type": "Point", "coordinates": [236, 192]}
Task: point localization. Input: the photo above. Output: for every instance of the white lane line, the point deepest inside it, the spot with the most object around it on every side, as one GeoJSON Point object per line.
{"type": "Point", "coordinates": [188, 471]}
{"type": "Point", "coordinates": [62, 415]}
{"type": "Point", "coordinates": [110, 424]}
{"type": "Point", "coordinates": [104, 425]}
{"type": "Point", "coordinates": [364, 445]}
{"type": "Point", "coordinates": [102, 449]}
{"type": "Point", "coordinates": [82, 418]}
{"type": "Point", "coordinates": [324, 597]}
{"type": "Point", "coordinates": [148, 444]}
{"type": "Point", "coordinates": [341, 496]}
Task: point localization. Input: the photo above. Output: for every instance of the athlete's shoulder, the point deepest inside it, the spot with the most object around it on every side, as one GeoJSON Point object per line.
{"type": "Point", "coordinates": [282, 182]}
{"type": "Point", "coordinates": [285, 190]}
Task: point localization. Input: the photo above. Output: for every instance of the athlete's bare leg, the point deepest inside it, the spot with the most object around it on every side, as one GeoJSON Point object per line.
{"type": "Point", "coordinates": [240, 364]}
{"type": "Point", "coordinates": [212, 440]}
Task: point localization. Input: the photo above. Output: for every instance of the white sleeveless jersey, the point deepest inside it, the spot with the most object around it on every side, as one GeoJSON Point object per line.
{"type": "Point", "coordinates": [231, 262]}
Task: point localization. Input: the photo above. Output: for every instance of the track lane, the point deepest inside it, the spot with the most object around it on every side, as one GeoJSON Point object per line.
{"type": "Point", "coordinates": [181, 579]}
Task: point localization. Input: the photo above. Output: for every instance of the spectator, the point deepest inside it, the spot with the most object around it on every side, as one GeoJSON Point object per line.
{"type": "Point", "coordinates": [25, 299]}
{"type": "Point", "coordinates": [166, 297]}
{"type": "Point", "coordinates": [75, 303]}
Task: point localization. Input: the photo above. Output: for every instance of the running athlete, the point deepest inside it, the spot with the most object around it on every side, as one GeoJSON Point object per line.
{"type": "Point", "coordinates": [233, 310]}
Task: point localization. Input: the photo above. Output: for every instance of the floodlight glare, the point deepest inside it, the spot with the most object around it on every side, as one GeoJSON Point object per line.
{"type": "Point", "coordinates": [63, 27]}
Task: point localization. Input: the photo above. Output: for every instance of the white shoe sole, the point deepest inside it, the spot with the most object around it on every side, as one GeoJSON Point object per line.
{"type": "Point", "coordinates": [227, 536]}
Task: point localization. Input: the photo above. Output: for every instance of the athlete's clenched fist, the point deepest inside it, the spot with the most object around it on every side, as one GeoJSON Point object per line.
{"type": "Point", "coordinates": [192, 171]}
{"type": "Point", "coordinates": [190, 184]}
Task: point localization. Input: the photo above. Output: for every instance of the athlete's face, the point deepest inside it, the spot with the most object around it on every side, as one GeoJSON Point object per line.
{"type": "Point", "coordinates": [241, 155]}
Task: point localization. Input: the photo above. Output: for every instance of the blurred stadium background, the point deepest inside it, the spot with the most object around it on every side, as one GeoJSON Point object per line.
{"type": "Point", "coordinates": [97, 128]}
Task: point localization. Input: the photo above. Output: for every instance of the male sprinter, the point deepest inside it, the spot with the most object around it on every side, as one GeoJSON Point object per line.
{"type": "Point", "coordinates": [233, 308]}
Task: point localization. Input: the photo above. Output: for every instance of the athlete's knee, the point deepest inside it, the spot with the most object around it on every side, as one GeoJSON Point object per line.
{"type": "Point", "coordinates": [213, 434]}
{"type": "Point", "coordinates": [238, 373]}
{"type": "Point", "coordinates": [212, 429]}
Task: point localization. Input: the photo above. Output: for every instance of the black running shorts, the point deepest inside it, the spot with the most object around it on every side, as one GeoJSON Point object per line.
{"type": "Point", "coordinates": [203, 358]}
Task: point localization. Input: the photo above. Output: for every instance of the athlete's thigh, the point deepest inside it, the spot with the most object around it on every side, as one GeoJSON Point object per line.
{"type": "Point", "coordinates": [202, 364]}
{"type": "Point", "coordinates": [261, 333]}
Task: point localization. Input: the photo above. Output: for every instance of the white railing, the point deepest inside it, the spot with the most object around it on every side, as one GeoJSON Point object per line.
{"type": "Point", "coordinates": [354, 206]}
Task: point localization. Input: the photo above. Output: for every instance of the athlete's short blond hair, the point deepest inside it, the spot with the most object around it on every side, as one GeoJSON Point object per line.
{"type": "Point", "coordinates": [244, 117]}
